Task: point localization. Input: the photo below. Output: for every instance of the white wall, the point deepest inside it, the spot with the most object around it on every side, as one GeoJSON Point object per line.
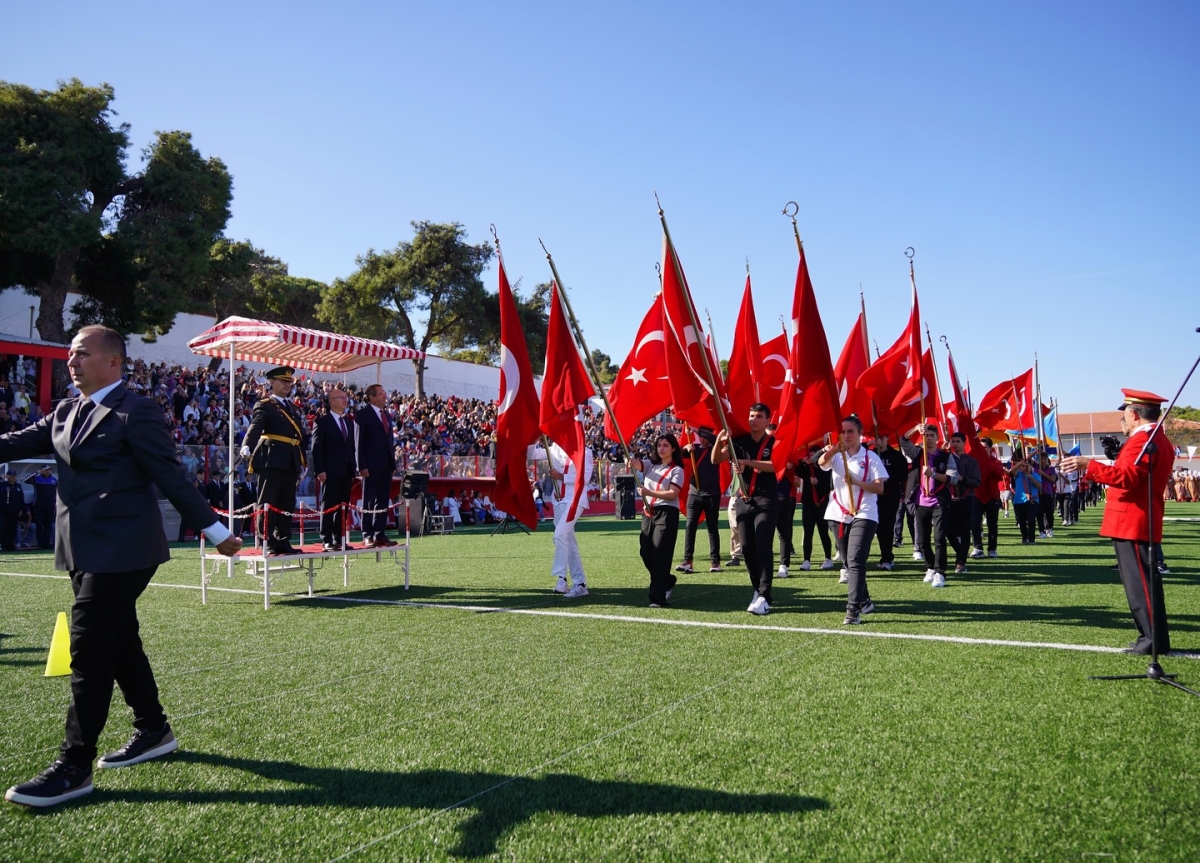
{"type": "Point", "coordinates": [442, 376]}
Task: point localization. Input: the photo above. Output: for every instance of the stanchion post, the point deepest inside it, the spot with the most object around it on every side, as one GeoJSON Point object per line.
{"type": "Point", "coordinates": [407, 540]}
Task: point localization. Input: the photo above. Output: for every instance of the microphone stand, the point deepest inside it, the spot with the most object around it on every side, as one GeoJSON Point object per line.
{"type": "Point", "coordinates": [1153, 671]}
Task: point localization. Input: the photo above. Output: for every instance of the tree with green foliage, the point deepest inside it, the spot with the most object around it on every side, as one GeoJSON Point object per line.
{"type": "Point", "coordinates": [73, 218]}
{"type": "Point", "coordinates": [432, 279]}
{"type": "Point", "coordinates": [535, 319]}
{"type": "Point", "coordinates": [605, 370]}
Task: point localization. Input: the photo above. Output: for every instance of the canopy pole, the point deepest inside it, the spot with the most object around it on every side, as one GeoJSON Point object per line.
{"type": "Point", "coordinates": [232, 419]}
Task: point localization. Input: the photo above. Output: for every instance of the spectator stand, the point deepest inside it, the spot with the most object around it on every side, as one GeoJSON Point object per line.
{"type": "Point", "coordinates": [248, 340]}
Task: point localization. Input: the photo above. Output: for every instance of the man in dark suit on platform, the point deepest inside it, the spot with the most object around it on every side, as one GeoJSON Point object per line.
{"type": "Point", "coordinates": [276, 443]}
{"type": "Point", "coordinates": [333, 459]}
{"type": "Point", "coordinates": [112, 448]}
{"type": "Point", "coordinates": [376, 465]}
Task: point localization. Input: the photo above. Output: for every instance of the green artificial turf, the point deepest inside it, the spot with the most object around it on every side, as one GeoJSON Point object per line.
{"type": "Point", "coordinates": [383, 731]}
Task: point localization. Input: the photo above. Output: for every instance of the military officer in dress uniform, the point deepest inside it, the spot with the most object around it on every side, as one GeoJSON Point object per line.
{"type": "Point", "coordinates": [1128, 519]}
{"type": "Point", "coordinates": [276, 445]}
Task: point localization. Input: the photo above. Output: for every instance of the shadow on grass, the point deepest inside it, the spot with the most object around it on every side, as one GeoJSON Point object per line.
{"type": "Point", "coordinates": [10, 650]}
{"type": "Point", "coordinates": [499, 802]}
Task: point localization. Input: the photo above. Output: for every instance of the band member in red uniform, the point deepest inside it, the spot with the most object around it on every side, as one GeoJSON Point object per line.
{"type": "Point", "coordinates": [1128, 521]}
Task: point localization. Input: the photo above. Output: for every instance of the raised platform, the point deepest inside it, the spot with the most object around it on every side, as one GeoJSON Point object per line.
{"type": "Point", "coordinates": [264, 566]}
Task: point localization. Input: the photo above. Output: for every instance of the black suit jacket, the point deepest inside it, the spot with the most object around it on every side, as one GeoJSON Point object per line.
{"type": "Point", "coordinates": [107, 515]}
{"type": "Point", "coordinates": [282, 421]}
{"type": "Point", "coordinates": [375, 450]}
{"type": "Point", "coordinates": [333, 454]}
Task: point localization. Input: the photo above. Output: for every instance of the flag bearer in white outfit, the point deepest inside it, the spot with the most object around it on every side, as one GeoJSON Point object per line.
{"type": "Point", "coordinates": [566, 545]}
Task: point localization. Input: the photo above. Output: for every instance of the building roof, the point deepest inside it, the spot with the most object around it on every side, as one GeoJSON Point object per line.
{"type": "Point", "coordinates": [1107, 422]}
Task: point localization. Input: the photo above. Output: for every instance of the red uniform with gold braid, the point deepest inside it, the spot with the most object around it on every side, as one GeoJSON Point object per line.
{"type": "Point", "coordinates": [1134, 487]}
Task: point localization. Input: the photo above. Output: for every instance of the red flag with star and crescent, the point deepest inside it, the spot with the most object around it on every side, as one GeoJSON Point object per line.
{"type": "Point", "coordinates": [853, 361]}
{"type": "Point", "coordinates": [566, 389]}
{"type": "Point", "coordinates": [641, 389]}
{"type": "Point", "coordinates": [1008, 406]}
{"type": "Point", "coordinates": [744, 384]}
{"type": "Point", "coordinates": [516, 414]}
{"type": "Point", "coordinates": [809, 408]}
{"type": "Point", "coordinates": [774, 355]}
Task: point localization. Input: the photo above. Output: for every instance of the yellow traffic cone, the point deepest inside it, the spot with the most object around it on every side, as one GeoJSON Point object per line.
{"type": "Point", "coordinates": [58, 662]}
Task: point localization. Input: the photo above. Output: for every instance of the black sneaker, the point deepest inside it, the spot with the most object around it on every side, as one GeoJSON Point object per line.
{"type": "Point", "coordinates": [56, 784]}
{"type": "Point", "coordinates": [733, 561]}
{"type": "Point", "coordinates": [868, 607]}
{"type": "Point", "coordinates": [143, 746]}
{"type": "Point", "coordinates": [852, 619]}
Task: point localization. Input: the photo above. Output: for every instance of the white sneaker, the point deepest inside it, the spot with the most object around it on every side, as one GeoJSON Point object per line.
{"type": "Point", "coordinates": [806, 566]}
{"type": "Point", "coordinates": [1049, 534]}
{"type": "Point", "coordinates": [782, 571]}
{"type": "Point", "coordinates": [837, 554]}
{"type": "Point", "coordinates": [827, 564]}
{"type": "Point", "coordinates": [576, 591]}
{"type": "Point", "coordinates": [977, 553]}
{"type": "Point", "coordinates": [929, 574]}
{"type": "Point", "coordinates": [759, 606]}
{"type": "Point", "coordinates": [939, 580]}
{"type": "Point", "coordinates": [844, 578]}
{"type": "Point", "coordinates": [668, 596]}
{"type": "Point", "coordinates": [887, 565]}
{"type": "Point", "coordinates": [561, 587]}
{"type": "Point", "coordinates": [918, 556]}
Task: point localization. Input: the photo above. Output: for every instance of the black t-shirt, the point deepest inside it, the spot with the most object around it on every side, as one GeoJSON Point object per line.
{"type": "Point", "coordinates": [707, 474]}
{"type": "Point", "coordinates": [759, 484]}
{"type": "Point", "coordinates": [896, 465]}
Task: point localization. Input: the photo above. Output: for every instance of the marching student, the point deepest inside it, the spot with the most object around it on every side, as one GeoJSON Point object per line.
{"type": "Point", "coordinates": [660, 487]}
{"type": "Point", "coordinates": [704, 499]}
{"type": "Point", "coordinates": [754, 507]}
{"type": "Point", "coordinates": [813, 500]}
{"type": "Point", "coordinates": [566, 545]}
{"type": "Point", "coordinates": [933, 501]}
{"type": "Point", "coordinates": [889, 502]}
{"type": "Point", "coordinates": [986, 505]}
{"type": "Point", "coordinates": [962, 497]}
{"type": "Point", "coordinates": [858, 478]}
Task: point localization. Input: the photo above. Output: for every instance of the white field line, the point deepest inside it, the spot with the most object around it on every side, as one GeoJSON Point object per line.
{"type": "Point", "coordinates": [594, 742]}
{"type": "Point", "coordinates": [703, 624]}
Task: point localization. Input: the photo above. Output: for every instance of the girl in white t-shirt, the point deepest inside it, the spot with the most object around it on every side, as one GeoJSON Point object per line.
{"type": "Point", "coordinates": [660, 488]}
{"type": "Point", "coordinates": [853, 510]}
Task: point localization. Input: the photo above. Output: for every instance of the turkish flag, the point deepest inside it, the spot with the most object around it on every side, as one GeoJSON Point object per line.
{"type": "Point", "coordinates": [958, 412]}
{"type": "Point", "coordinates": [774, 371]}
{"type": "Point", "coordinates": [566, 389]}
{"type": "Point", "coordinates": [854, 360]}
{"type": "Point", "coordinates": [641, 389]}
{"type": "Point", "coordinates": [809, 408]}
{"type": "Point", "coordinates": [884, 380]}
{"type": "Point", "coordinates": [744, 384]}
{"type": "Point", "coordinates": [913, 383]}
{"type": "Point", "coordinates": [516, 414]}
{"type": "Point", "coordinates": [1008, 406]}
{"type": "Point", "coordinates": [693, 396]}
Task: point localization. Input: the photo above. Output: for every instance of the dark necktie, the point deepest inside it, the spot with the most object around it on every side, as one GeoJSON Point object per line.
{"type": "Point", "coordinates": [81, 416]}
{"type": "Point", "coordinates": [342, 426]}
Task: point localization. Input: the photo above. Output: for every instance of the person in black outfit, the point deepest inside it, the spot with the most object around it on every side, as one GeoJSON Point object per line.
{"type": "Point", "coordinates": [12, 501]}
{"type": "Point", "coordinates": [334, 462]}
{"type": "Point", "coordinates": [45, 496]}
{"type": "Point", "coordinates": [896, 466]}
{"type": "Point", "coordinates": [754, 509]}
{"type": "Point", "coordinates": [113, 450]}
{"type": "Point", "coordinates": [660, 487]}
{"type": "Point", "coordinates": [907, 510]}
{"type": "Point", "coordinates": [785, 512]}
{"type": "Point", "coordinates": [962, 499]}
{"type": "Point", "coordinates": [376, 456]}
{"type": "Point", "coordinates": [814, 497]}
{"type": "Point", "coordinates": [704, 498]}
{"type": "Point", "coordinates": [275, 443]}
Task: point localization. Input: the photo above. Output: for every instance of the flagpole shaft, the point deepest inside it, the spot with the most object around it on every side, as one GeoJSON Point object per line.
{"type": "Point", "coordinates": [937, 382]}
{"type": "Point", "coordinates": [562, 292]}
{"type": "Point", "coordinates": [692, 458]}
{"type": "Point", "coordinates": [1037, 406]}
{"type": "Point", "coordinates": [706, 359]}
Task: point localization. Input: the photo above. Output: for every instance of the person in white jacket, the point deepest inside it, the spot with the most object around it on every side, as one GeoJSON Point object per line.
{"type": "Point", "coordinates": [567, 561]}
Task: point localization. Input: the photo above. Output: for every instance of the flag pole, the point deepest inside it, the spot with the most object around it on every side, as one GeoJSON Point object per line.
{"type": "Point", "coordinates": [708, 370]}
{"type": "Point", "coordinates": [937, 381]}
{"type": "Point", "coordinates": [866, 345]}
{"type": "Point", "coordinates": [1037, 405]}
{"type": "Point", "coordinates": [562, 292]}
{"type": "Point", "coordinates": [910, 253]}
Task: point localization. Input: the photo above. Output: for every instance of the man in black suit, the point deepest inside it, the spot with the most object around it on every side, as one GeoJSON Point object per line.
{"type": "Point", "coordinates": [275, 443]}
{"type": "Point", "coordinates": [334, 462]}
{"type": "Point", "coordinates": [376, 465]}
{"type": "Point", "coordinates": [112, 448]}
{"type": "Point", "coordinates": [12, 501]}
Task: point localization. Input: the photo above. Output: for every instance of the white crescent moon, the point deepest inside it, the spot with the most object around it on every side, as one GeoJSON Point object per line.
{"type": "Point", "coordinates": [778, 358]}
{"type": "Point", "coordinates": [510, 373]}
{"type": "Point", "coordinates": [655, 336]}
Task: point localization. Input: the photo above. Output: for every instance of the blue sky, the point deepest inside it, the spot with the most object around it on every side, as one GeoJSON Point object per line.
{"type": "Point", "coordinates": [1041, 158]}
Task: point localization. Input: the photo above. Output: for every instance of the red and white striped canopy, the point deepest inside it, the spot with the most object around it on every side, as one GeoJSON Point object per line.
{"type": "Point", "coordinates": [282, 344]}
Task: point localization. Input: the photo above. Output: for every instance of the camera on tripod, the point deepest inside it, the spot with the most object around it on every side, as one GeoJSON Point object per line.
{"type": "Point", "coordinates": [1111, 446]}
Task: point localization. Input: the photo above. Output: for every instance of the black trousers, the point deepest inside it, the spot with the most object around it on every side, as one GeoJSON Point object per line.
{"type": "Point", "coordinates": [43, 517]}
{"type": "Point", "coordinates": [657, 545]}
{"type": "Point", "coordinates": [699, 502]}
{"type": "Point", "coordinates": [335, 491]}
{"type": "Point", "coordinates": [854, 544]}
{"type": "Point", "coordinates": [277, 490]}
{"type": "Point", "coordinates": [812, 516]}
{"type": "Point", "coordinates": [888, 504]}
{"type": "Point", "coordinates": [958, 533]}
{"type": "Point", "coordinates": [376, 493]}
{"type": "Point", "coordinates": [1045, 516]}
{"type": "Point", "coordinates": [106, 648]}
{"type": "Point", "coordinates": [785, 515]}
{"type": "Point", "coordinates": [932, 523]}
{"type": "Point", "coordinates": [906, 512]}
{"type": "Point", "coordinates": [1026, 519]}
{"type": "Point", "coordinates": [756, 529]}
{"type": "Point", "coordinates": [980, 511]}
{"type": "Point", "coordinates": [8, 530]}
{"type": "Point", "coordinates": [1139, 573]}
